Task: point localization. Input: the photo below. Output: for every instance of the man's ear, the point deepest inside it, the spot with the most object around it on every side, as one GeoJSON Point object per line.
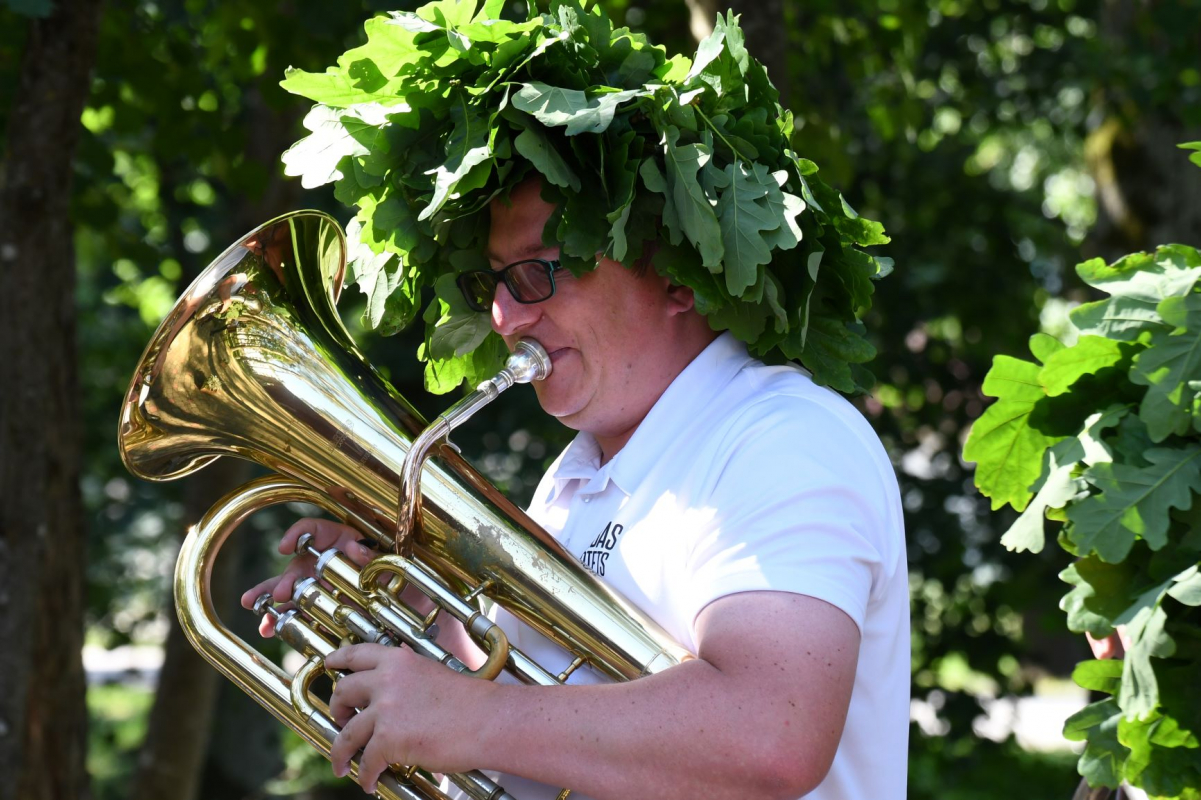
{"type": "Point", "coordinates": [679, 299]}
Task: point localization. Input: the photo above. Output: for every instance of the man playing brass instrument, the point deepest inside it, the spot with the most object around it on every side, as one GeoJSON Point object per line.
{"type": "Point", "coordinates": [746, 508]}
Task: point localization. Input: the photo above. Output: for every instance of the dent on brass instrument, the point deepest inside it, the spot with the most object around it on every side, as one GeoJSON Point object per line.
{"type": "Point", "coordinates": [254, 362]}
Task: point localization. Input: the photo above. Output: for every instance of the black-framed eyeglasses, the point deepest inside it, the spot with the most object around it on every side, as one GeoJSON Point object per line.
{"type": "Point", "coordinates": [529, 281]}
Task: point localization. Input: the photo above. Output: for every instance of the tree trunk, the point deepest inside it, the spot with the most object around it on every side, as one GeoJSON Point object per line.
{"type": "Point", "coordinates": [1148, 193]}
{"type": "Point", "coordinates": [43, 716]}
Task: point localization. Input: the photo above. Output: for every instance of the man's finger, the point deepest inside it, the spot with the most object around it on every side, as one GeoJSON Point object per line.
{"type": "Point", "coordinates": [357, 657]}
{"type": "Point", "coordinates": [350, 693]}
{"type": "Point", "coordinates": [250, 596]}
{"type": "Point", "coordinates": [326, 533]}
{"type": "Point", "coordinates": [372, 764]}
{"type": "Point", "coordinates": [354, 734]}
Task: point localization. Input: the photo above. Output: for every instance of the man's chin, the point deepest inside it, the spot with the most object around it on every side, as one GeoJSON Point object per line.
{"type": "Point", "coordinates": [555, 403]}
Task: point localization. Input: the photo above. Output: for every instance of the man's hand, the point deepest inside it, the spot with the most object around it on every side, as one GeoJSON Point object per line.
{"type": "Point", "coordinates": [1114, 645]}
{"type": "Point", "coordinates": [410, 711]}
{"type": "Point", "coordinates": [326, 534]}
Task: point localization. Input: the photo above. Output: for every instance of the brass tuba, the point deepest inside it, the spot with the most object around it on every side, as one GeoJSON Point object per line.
{"type": "Point", "coordinates": [253, 361]}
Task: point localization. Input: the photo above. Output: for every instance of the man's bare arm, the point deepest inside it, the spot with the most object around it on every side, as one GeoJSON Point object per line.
{"type": "Point", "coordinates": [758, 714]}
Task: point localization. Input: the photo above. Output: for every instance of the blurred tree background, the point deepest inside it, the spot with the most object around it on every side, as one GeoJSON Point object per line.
{"type": "Point", "coordinates": [1000, 142]}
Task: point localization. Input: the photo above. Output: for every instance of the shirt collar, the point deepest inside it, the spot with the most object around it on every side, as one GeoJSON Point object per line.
{"type": "Point", "coordinates": [683, 402]}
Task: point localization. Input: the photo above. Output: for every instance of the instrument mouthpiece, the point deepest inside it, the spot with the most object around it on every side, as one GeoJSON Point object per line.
{"type": "Point", "coordinates": [529, 362]}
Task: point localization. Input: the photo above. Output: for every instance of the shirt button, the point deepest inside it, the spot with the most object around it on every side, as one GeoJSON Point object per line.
{"type": "Point", "coordinates": [587, 499]}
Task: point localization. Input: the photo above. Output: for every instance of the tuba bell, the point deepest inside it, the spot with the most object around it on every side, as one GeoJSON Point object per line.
{"type": "Point", "coordinates": [254, 362]}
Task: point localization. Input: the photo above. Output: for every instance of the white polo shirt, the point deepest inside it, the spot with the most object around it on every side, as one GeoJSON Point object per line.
{"type": "Point", "coordinates": [745, 477]}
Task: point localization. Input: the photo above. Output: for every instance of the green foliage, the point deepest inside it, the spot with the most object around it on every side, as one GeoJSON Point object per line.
{"type": "Point", "coordinates": [448, 107]}
{"type": "Point", "coordinates": [116, 726]}
{"type": "Point", "coordinates": [1104, 436]}
{"type": "Point", "coordinates": [1195, 157]}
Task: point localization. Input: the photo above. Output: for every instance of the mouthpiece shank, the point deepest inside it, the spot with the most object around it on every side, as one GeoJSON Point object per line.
{"type": "Point", "coordinates": [528, 362]}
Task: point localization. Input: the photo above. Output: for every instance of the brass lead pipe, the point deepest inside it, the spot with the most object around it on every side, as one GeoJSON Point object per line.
{"type": "Point", "coordinates": [528, 362]}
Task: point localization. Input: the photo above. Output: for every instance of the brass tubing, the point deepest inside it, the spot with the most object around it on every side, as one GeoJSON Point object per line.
{"type": "Point", "coordinates": [487, 633]}
{"type": "Point", "coordinates": [269, 685]}
{"type": "Point", "coordinates": [390, 784]}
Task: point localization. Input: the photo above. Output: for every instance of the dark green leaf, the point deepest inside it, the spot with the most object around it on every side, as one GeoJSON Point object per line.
{"type": "Point", "coordinates": [689, 210]}
{"type": "Point", "coordinates": [1168, 366]}
{"type": "Point", "coordinates": [534, 145]}
{"type": "Point", "coordinates": [1134, 502]}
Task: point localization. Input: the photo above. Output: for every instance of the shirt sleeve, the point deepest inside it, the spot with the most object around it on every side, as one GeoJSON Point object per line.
{"type": "Point", "coordinates": [799, 507]}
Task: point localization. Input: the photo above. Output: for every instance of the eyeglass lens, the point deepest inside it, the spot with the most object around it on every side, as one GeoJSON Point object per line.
{"type": "Point", "coordinates": [527, 281]}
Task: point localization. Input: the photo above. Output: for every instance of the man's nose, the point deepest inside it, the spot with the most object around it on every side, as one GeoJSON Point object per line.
{"type": "Point", "coordinates": [509, 316]}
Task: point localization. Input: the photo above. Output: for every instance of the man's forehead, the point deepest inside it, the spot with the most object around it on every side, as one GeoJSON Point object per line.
{"type": "Point", "coordinates": [506, 252]}
{"type": "Point", "coordinates": [515, 229]}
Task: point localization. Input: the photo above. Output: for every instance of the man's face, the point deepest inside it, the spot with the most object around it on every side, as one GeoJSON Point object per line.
{"type": "Point", "coordinates": [600, 330]}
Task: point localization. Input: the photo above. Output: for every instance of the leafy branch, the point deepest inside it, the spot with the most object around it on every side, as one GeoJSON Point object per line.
{"type": "Point", "coordinates": [1104, 436]}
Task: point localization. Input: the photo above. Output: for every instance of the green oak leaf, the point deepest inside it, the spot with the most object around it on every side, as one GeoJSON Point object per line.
{"type": "Point", "coordinates": [785, 207]}
{"type": "Point", "coordinates": [1043, 346]}
{"type": "Point", "coordinates": [335, 88]}
{"type": "Point", "coordinates": [1195, 157]}
{"type": "Point", "coordinates": [486, 360]}
{"type": "Point", "coordinates": [1168, 367]}
{"type": "Point", "coordinates": [1057, 485]}
{"type": "Point", "coordinates": [1008, 452]}
{"type": "Point", "coordinates": [1134, 502]}
{"type": "Point", "coordinates": [376, 274]}
{"type": "Point", "coordinates": [1187, 588]}
{"type": "Point", "coordinates": [862, 231]}
{"type": "Point", "coordinates": [534, 145]}
{"type": "Point", "coordinates": [707, 52]}
{"type": "Point", "coordinates": [392, 225]}
{"type": "Point", "coordinates": [583, 228]}
{"type": "Point", "coordinates": [444, 375]}
{"type": "Point", "coordinates": [1144, 276]}
{"type": "Point", "coordinates": [389, 47]}
{"type": "Point", "coordinates": [743, 219]}
{"type": "Point", "coordinates": [688, 208]}
{"type": "Point", "coordinates": [575, 110]}
{"type": "Point", "coordinates": [1121, 318]}
{"type": "Point", "coordinates": [315, 158]}
{"type": "Point", "coordinates": [623, 191]}
{"type": "Point", "coordinates": [1145, 621]}
{"type": "Point", "coordinates": [1099, 675]}
{"type": "Point", "coordinates": [831, 347]}
{"type": "Point", "coordinates": [1101, 761]}
{"type": "Point", "coordinates": [1088, 356]}
{"type": "Point", "coordinates": [459, 330]}
{"type": "Point", "coordinates": [1102, 592]}
{"type": "Point", "coordinates": [467, 147]}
